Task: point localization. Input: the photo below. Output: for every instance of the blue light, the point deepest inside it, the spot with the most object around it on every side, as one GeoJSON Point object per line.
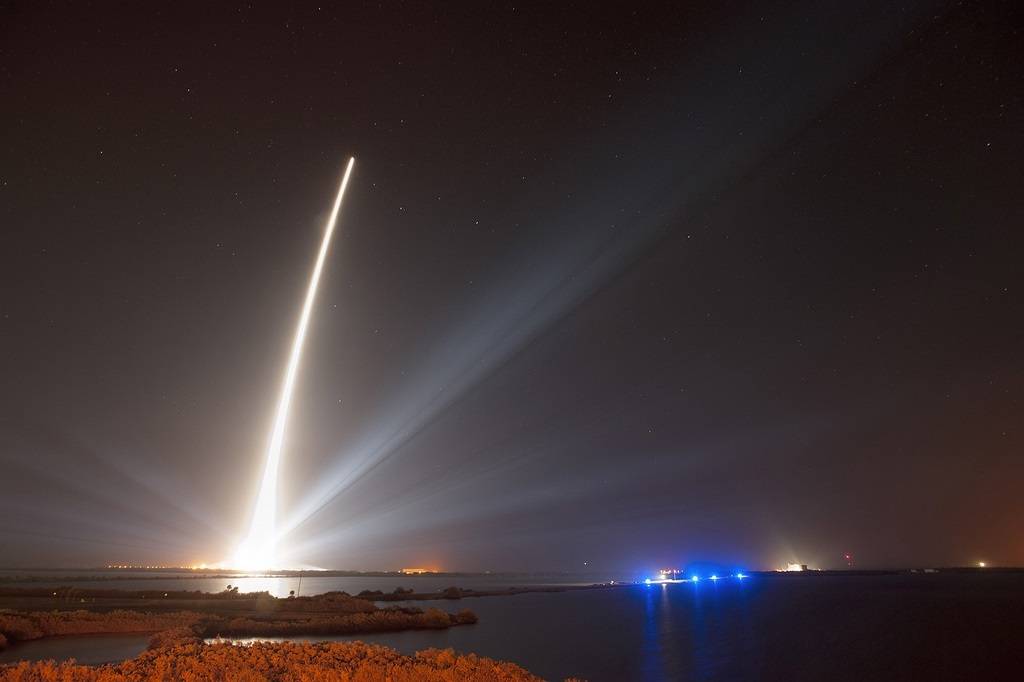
{"type": "Point", "coordinates": [714, 577]}
{"type": "Point", "coordinates": [694, 578]}
{"type": "Point", "coordinates": [647, 581]}
{"type": "Point", "coordinates": [741, 576]}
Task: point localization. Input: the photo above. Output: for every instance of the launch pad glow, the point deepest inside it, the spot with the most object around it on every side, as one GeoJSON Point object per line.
{"type": "Point", "coordinates": [259, 549]}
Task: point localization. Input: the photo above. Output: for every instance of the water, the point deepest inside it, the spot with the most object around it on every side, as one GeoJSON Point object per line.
{"type": "Point", "coordinates": [280, 587]}
{"type": "Point", "coordinates": [86, 649]}
{"type": "Point", "coordinates": [894, 627]}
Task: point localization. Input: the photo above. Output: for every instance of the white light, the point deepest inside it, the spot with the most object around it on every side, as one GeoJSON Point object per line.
{"type": "Point", "coordinates": [794, 567]}
{"type": "Point", "coordinates": [259, 549]}
{"type": "Point", "coordinates": [981, 564]}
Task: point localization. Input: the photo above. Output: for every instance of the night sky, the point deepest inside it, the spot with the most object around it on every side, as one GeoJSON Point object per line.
{"type": "Point", "coordinates": [631, 287]}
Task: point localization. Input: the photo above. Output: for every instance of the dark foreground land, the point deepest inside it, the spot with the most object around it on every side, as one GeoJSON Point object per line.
{"type": "Point", "coordinates": [189, 617]}
{"type": "Point", "coordinates": [32, 613]}
{"type": "Point", "coordinates": [279, 661]}
{"type": "Point", "coordinates": [185, 616]}
{"type": "Point", "coordinates": [181, 621]}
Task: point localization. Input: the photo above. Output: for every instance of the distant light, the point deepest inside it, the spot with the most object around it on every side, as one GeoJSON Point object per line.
{"type": "Point", "coordinates": [647, 581]}
{"type": "Point", "coordinates": [694, 578]}
{"type": "Point", "coordinates": [741, 576]}
{"type": "Point", "coordinates": [981, 564]}
{"type": "Point", "coordinates": [795, 567]}
{"type": "Point", "coordinates": [714, 577]}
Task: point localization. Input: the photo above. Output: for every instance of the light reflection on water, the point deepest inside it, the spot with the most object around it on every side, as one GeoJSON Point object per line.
{"type": "Point", "coordinates": [651, 647]}
{"type": "Point", "coordinates": [86, 649]}
{"type": "Point", "coordinates": [278, 587]}
{"type": "Point", "coordinates": [310, 585]}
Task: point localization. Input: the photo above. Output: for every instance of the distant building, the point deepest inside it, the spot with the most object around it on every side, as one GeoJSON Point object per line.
{"type": "Point", "coordinates": [416, 571]}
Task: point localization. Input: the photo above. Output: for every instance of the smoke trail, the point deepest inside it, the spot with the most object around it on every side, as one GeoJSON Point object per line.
{"type": "Point", "coordinates": [259, 548]}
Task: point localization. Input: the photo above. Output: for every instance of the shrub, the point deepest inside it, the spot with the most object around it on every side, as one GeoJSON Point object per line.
{"type": "Point", "coordinates": [436, 618]}
{"type": "Point", "coordinates": [333, 603]}
{"type": "Point", "coordinates": [17, 626]}
{"type": "Point", "coordinates": [279, 661]}
{"type": "Point", "coordinates": [174, 637]}
{"type": "Point", "coordinates": [465, 617]}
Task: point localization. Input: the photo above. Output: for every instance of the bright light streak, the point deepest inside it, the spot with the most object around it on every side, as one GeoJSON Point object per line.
{"type": "Point", "coordinates": [259, 549]}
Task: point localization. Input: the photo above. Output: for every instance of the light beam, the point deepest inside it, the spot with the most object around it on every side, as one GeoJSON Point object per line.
{"type": "Point", "coordinates": [259, 550]}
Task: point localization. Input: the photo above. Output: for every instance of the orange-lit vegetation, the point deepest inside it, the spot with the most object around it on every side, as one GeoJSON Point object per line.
{"type": "Point", "coordinates": [284, 662]}
{"type": "Point", "coordinates": [177, 650]}
{"type": "Point", "coordinates": [174, 637]}
{"type": "Point", "coordinates": [18, 626]}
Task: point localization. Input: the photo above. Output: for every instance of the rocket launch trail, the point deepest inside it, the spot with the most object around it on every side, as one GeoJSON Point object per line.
{"type": "Point", "coordinates": [259, 549]}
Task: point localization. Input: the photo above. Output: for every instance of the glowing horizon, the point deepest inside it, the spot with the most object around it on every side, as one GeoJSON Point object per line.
{"type": "Point", "coordinates": [259, 549]}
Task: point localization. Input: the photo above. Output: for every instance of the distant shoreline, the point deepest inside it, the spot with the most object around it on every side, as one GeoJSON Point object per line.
{"type": "Point", "coordinates": [69, 596]}
{"type": "Point", "coordinates": [34, 575]}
